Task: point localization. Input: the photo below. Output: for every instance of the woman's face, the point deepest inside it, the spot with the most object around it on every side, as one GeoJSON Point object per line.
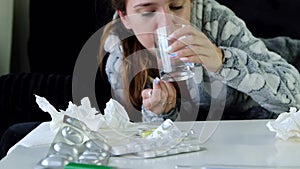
{"type": "Point", "coordinates": [145, 16]}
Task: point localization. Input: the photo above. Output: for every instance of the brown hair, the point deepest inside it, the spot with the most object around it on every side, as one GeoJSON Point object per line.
{"type": "Point", "coordinates": [140, 59]}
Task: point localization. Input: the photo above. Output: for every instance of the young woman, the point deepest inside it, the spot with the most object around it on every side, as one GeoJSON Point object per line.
{"type": "Point", "coordinates": [236, 77]}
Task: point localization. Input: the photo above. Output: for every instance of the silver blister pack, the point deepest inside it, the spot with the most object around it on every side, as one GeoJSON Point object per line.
{"type": "Point", "coordinates": [185, 146]}
{"type": "Point", "coordinates": [75, 143]}
{"type": "Point", "coordinates": [165, 140]}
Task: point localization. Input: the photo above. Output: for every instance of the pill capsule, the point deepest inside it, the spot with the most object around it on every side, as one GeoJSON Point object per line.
{"type": "Point", "coordinates": [54, 161]}
{"type": "Point", "coordinates": [76, 123]}
{"type": "Point", "coordinates": [88, 161]}
{"type": "Point", "coordinates": [104, 154]}
{"type": "Point", "coordinates": [102, 158]}
{"type": "Point", "coordinates": [99, 155]}
{"type": "Point", "coordinates": [72, 135]}
{"type": "Point", "coordinates": [64, 148]}
{"type": "Point", "coordinates": [91, 152]}
{"type": "Point", "coordinates": [96, 145]}
{"type": "Point", "coordinates": [88, 157]}
{"type": "Point", "coordinates": [92, 159]}
{"type": "Point", "coordinates": [65, 156]}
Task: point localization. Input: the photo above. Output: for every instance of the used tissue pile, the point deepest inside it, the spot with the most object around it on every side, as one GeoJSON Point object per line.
{"type": "Point", "coordinates": [114, 116]}
{"type": "Point", "coordinates": [287, 125]}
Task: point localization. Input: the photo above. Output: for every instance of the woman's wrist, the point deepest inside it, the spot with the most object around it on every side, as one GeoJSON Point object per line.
{"type": "Point", "coordinates": [169, 114]}
{"type": "Point", "coordinates": [173, 112]}
{"type": "Point", "coordinates": [149, 116]}
{"type": "Point", "coordinates": [168, 106]}
{"type": "Point", "coordinates": [220, 54]}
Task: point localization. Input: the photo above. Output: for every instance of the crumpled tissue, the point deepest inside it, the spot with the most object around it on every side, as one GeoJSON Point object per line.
{"type": "Point", "coordinates": [114, 116]}
{"type": "Point", "coordinates": [287, 124]}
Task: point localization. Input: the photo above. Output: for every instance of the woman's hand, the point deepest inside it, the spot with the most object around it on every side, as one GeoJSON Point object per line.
{"type": "Point", "coordinates": [191, 45]}
{"type": "Point", "coordinates": [160, 99]}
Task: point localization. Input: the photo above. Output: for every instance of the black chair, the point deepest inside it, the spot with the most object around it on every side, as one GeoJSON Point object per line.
{"type": "Point", "coordinates": [58, 31]}
{"type": "Point", "coordinates": [268, 18]}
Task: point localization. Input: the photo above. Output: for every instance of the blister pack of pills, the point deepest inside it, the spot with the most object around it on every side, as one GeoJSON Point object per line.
{"type": "Point", "coordinates": [185, 146]}
{"type": "Point", "coordinates": [76, 143]}
{"type": "Point", "coordinates": [152, 148]}
{"type": "Point", "coordinates": [165, 140]}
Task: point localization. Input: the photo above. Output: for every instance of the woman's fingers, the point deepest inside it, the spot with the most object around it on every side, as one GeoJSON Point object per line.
{"type": "Point", "coordinates": [156, 92]}
{"type": "Point", "coordinates": [146, 95]}
{"type": "Point", "coordinates": [161, 98]}
{"type": "Point", "coordinates": [152, 98]}
{"type": "Point", "coordinates": [187, 40]}
{"type": "Point", "coordinates": [191, 45]}
{"type": "Point", "coordinates": [171, 97]}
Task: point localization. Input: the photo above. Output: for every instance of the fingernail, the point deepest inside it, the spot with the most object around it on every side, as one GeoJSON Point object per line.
{"type": "Point", "coordinates": [182, 37]}
{"type": "Point", "coordinates": [169, 48]}
{"type": "Point", "coordinates": [170, 36]}
{"type": "Point", "coordinates": [172, 55]}
{"type": "Point", "coordinates": [150, 93]}
{"type": "Point", "coordinates": [156, 80]}
{"type": "Point", "coordinates": [184, 59]}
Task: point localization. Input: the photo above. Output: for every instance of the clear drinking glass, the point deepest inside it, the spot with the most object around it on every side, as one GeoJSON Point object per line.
{"type": "Point", "coordinates": [170, 68]}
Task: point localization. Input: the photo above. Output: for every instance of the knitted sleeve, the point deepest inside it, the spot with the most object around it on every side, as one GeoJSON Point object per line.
{"type": "Point", "coordinates": [248, 65]}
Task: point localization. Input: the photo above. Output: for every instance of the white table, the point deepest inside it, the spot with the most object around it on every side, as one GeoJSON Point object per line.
{"type": "Point", "coordinates": [236, 143]}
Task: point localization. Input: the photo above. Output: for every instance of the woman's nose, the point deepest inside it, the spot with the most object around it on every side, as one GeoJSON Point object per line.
{"type": "Point", "coordinates": [166, 18]}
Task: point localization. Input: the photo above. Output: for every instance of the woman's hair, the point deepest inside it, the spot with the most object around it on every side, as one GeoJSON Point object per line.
{"type": "Point", "coordinates": [140, 59]}
{"type": "Point", "coordinates": [119, 5]}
